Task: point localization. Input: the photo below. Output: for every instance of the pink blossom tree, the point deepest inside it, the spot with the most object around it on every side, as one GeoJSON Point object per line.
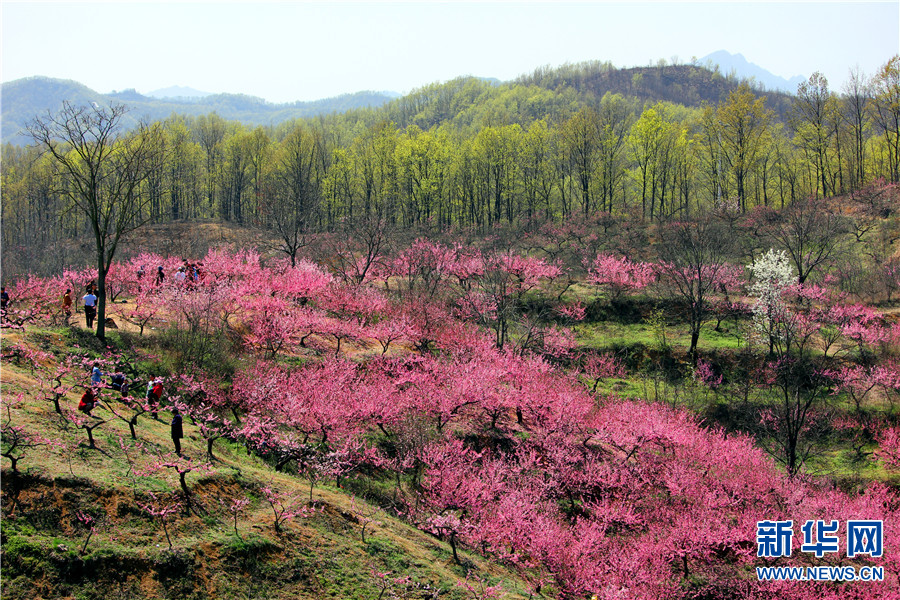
{"type": "Point", "coordinates": [620, 275]}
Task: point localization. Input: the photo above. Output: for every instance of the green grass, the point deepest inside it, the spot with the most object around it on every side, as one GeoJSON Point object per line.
{"type": "Point", "coordinates": [608, 334]}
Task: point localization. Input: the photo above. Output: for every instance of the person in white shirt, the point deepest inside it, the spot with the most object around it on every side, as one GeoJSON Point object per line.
{"type": "Point", "coordinates": [90, 309]}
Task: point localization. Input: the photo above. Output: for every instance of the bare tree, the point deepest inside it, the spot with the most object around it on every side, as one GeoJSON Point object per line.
{"type": "Point", "coordinates": [694, 267]}
{"type": "Point", "coordinates": [296, 189]}
{"type": "Point", "coordinates": [100, 170]}
{"type": "Point", "coordinates": [811, 234]}
{"type": "Point", "coordinates": [356, 248]}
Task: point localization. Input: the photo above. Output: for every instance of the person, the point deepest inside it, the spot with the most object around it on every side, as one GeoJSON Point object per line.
{"type": "Point", "coordinates": [90, 309]}
{"type": "Point", "coordinates": [177, 430]}
{"type": "Point", "coordinates": [96, 374]}
{"type": "Point", "coordinates": [158, 390]}
{"type": "Point", "coordinates": [88, 401]}
{"type": "Point", "coordinates": [4, 303]}
{"type": "Point", "coordinates": [180, 275]}
{"type": "Point", "coordinates": [117, 381]}
{"type": "Point", "coordinates": [140, 273]}
{"type": "Point", "coordinates": [160, 275]}
{"type": "Point", "coordinates": [151, 398]}
{"type": "Point", "coordinates": [67, 303]}
{"type": "Point", "coordinates": [154, 396]}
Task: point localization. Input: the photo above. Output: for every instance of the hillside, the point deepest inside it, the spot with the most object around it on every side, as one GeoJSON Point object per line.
{"type": "Point", "coordinates": [686, 84]}
{"type": "Point", "coordinates": [431, 105]}
{"type": "Point", "coordinates": [548, 417]}
{"type": "Point", "coordinates": [23, 99]}
{"type": "Point", "coordinates": [76, 522]}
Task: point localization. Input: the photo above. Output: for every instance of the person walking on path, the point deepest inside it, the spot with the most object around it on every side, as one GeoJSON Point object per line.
{"type": "Point", "coordinates": [67, 303]}
{"type": "Point", "coordinates": [177, 430]}
{"type": "Point", "coordinates": [90, 309]}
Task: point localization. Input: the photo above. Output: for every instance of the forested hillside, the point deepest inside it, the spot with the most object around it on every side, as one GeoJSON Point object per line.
{"type": "Point", "coordinates": [584, 139]}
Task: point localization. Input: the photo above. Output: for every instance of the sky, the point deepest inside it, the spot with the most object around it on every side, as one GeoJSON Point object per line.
{"type": "Point", "coordinates": [289, 51]}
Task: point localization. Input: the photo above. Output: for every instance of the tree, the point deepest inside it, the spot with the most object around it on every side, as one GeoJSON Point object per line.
{"type": "Point", "coordinates": [495, 161]}
{"type": "Point", "coordinates": [655, 142]}
{"type": "Point", "coordinates": [297, 183]}
{"type": "Point", "coordinates": [857, 99]}
{"type": "Point", "coordinates": [235, 174]}
{"type": "Point", "coordinates": [743, 124]}
{"type": "Point", "coordinates": [537, 172]}
{"type": "Point", "coordinates": [693, 268]}
{"type": "Point", "coordinates": [210, 131]}
{"type": "Point", "coordinates": [615, 119]}
{"type": "Point", "coordinates": [580, 144]}
{"type": "Point", "coordinates": [886, 90]}
{"type": "Point", "coordinates": [101, 172]}
{"type": "Point", "coordinates": [810, 233]}
{"type": "Point", "coordinates": [812, 113]}
{"type": "Point", "coordinates": [620, 274]}
{"type": "Point", "coordinates": [773, 279]}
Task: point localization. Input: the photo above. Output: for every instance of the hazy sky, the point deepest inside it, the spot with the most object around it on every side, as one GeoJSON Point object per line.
{"type": "Point", "coordinates": [286, 51]}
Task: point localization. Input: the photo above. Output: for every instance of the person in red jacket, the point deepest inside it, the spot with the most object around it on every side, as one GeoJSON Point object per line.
{"type": "Point", "coordinates": [154, 396]}
{"type": "Point", "coordinates": [88, 401]}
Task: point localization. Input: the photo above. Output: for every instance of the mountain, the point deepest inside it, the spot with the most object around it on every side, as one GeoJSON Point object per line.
{"type": "Point", "coordinates": [744, 69]}
{"type": "Point", "coordinates": [178, 92]}
{"type": "Point", "coordinates": [24, 99]}
{"type": "Point", "coordinates": [463, 101]}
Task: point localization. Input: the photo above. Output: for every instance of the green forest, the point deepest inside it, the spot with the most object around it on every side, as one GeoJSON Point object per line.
{"type": "Point", "coordinates": [579, 141]}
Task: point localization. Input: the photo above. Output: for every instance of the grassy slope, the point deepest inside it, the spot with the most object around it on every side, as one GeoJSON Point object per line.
{"type": "Point", "coordinates": [630, 331]}
{"type": "Point", "coordinates": [322, 556]}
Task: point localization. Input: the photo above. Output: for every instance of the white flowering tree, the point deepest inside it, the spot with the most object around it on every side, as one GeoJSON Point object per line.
{"type": "Point", "coordinates": [772, 275]}
{"type": "Point", "coordinates": [795, 393]}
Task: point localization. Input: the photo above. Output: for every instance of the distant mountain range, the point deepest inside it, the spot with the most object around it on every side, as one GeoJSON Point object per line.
{"type": "Point", "coordinates": [24, 99]}
{"type": "Point", "coordinates": [744, 69]}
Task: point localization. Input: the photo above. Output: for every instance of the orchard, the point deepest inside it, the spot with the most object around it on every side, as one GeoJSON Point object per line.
{"type": "Point", "coordinates": [471, 392]}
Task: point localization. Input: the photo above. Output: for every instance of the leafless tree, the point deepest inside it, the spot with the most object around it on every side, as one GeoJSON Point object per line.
{"type": "Point", "coordinates": [100, 169]}
{"type": "Point", "coordinates": [810, 233]}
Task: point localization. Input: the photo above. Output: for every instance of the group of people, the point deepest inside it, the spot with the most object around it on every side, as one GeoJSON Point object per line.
{"type": "Point", "coordinates": [91, 399]}
{"type": "Point", "coordinates": [187, 272]}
